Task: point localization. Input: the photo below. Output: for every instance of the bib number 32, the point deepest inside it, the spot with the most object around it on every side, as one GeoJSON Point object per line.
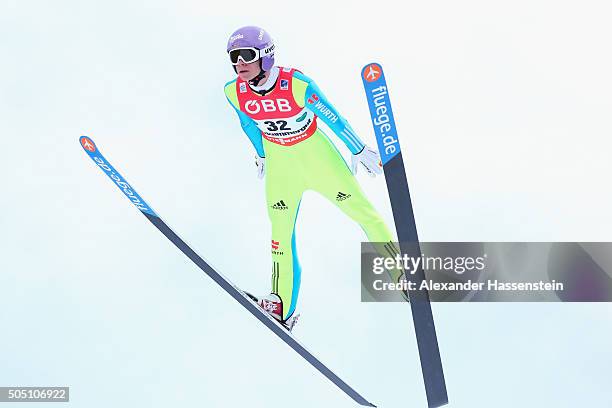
{"type": "Point", "coordinates": [276, 125]}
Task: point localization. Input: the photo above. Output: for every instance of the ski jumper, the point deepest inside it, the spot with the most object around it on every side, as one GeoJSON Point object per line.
{"type": "Point", "coordinates": [282, 126]}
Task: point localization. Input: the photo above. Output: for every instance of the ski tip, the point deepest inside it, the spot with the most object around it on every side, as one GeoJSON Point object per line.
{"type": "Point", "coordinates": [371, 72]}
{"type": "Point", "coordinates": [371, 63]}
{"type": "Point", "coordinates": [87, 144]}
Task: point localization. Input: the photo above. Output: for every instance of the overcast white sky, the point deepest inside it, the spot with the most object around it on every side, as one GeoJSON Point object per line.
{"type": "Point", "coordinates": [503, 111]}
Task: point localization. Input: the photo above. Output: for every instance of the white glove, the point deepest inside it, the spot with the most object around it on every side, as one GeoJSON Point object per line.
{"type": "Point", "coordinates": [260, 162]}
{"type": "Point", "coordinates": [370, 160]}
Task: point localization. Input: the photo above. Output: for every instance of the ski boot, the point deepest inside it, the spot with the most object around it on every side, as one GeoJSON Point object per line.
{"type": "Point", "coordinates": [273, 305]}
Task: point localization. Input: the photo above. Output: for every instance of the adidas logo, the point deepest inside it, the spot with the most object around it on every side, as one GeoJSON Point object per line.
{"type": "Point", "coordinates": [280, 206]}
{"type": "Point", "coordinates": [341, 196]}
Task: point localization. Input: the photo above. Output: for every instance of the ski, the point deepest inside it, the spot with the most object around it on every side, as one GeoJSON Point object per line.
{"type": "Point", "coordinates": [91, 149]}
{"type": "Point", "coordinates": [379, 103]}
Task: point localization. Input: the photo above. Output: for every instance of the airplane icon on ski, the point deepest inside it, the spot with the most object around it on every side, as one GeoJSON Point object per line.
{"type": "Point", "coordinates": [371, 74]}
{"type": "Point", "coordinates": [88, 144]}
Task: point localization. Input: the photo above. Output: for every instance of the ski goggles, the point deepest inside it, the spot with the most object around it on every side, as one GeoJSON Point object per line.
{"type": "Point", "coordinates": [248, 54]}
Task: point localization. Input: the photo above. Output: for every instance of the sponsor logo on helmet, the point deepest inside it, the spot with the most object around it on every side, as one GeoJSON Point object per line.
{"type": "Point", "coordinates": [261, 34]}
{"type": "Point", "coordinates": [243, 88]}
{"type": "Point", "coordinates": [268, 105]}
{"type": "Point", "coordinates": [236, 37]}
{"type": "Point", "coordinates": [284, 84]}
{"type": "Point", "coordinates": [268, 50]}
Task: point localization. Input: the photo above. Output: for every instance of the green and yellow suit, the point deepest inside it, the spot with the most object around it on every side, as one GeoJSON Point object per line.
{"type": "Point", "coordinates": [282, 126]}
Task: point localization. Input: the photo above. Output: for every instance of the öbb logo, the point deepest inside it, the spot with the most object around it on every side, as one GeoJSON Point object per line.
{"type": "Point", "coordinates": [268, 105]}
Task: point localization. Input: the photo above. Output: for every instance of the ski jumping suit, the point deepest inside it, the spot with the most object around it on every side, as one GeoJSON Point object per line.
{"type": "Point", "coordinates": [282, 125]}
